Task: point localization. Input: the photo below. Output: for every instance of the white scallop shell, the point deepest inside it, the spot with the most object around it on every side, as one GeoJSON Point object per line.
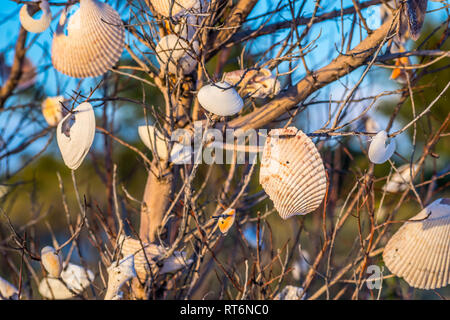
{"type": "Point", "coordinates": [52, 110]}
{"type": "Point", "coordinates": [152, 254]}
{"type": "Point", "coordinates": [381, 148]}
{"type": "Point", "coordinates": [292, 172]}
{"type": "Point", "coordinates": [7, 290]}
{"type": "Point", "coordinates": [36, 25]}
{"type": "Point", "coordinates": [75, 134]}
{"type": "Point", "coordinates": [257, 83]}
{"type": "Point", "coordinates": [400, 180]}
{"type": "Point", "coordinates": [52, 261]}
{"type": "Point", "coordinates": [174, 52]}
{"type": "Point", "coordinates": [220, 98]}
{"type": "Point", "coordinates": [94, 42]}
{"type": "Point", "coordinates": [419, 251]}
{"type": "Point", "coordinates": [172, 8]}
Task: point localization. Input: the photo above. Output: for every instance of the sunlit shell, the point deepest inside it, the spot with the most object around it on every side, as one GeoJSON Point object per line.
{"type": "Point", "coordinates": [419, 251]}
{"type": "Point", "coordinates": [151, 256]}
{"type": "Point", "coordinates": [381, 148]}
{"type": "Point", "coordinates": [36, 25]}
{"type": "Point", "coordinates": [257, 83]}
{"type": "Point", "coordinates": [174, 53]}
{"type": "Point", "coordinates": [94, 42]}
{"type": "Point", "coordinates": [172, 8]}
{"type": "Point", "coordinates": [154, 140]}
{"type": "Point", "coordinates": [291, 293]}
{"type": "Point", "coordinates": [292, 172]}
{"type": "Point", "coordinates": [226, 220]}
{"type": "Point", "coordinates": [75, 134]}
{"type": "Point", "coordinates": [400, 180]}
{"type": "Point", "coordinates": [52, 110]}
{"type": "Point", "coordinates": [7, 290]}
{"type": "Point", "coordinates": [220, 98]}
{"type": "Point", "coordinates": [52, 261]}
{"type": "Point", "coordinates": [187, 22]}
{"type": "Point", "coordinates": [119, 273]}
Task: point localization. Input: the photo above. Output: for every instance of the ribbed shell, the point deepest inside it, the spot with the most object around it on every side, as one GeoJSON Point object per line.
{"type": "Point", "coordinates": [419, 252]}
{"type": "Point", "coordinates": [52, 261]}
{"type": "Point", "coordinates": [292, 172]}
{"type": "Point", "coordinates": [179, 6]}
{"type": "Point", "coordinates": [95, 40]}
{"type": "Point", "coordinates": [52, 110]}
{"type": "Point", "coordinates": [36, 25]}
{"type": "Point", "coordinates": [75, 134]}
{"type": "Point", "coordinates": [173, 53]}
{"type": "Point", "coordinates": [220, 98]}
{"type": "Point", "coordinates": [381, 148]}
{"type": "Point", "coordinates": [257, 83]}
{"type": "Point", "coordinates": [152, 254]}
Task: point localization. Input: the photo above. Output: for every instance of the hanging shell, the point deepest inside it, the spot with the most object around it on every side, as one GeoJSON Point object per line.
{"type": "Point", "coordinates": [52, 110]}
{"type": "Point", "coordinates": [400, 180]}
{"type": "Point", "coordinates": [220, 98]}
{"type": "Point", "coordinates": [52, 261]}
{"type": "Point", "coordinates": [94, 42]}
{"type": "Point", "coordinates": [419, 251]}
{"type": "Point", "coordinates": [119, 273]}
{"type": "Point", "coordinates": [381, 148]}
{"type": "Point", "coordinates": [173, 53]}
{"type": "Point", "coordinates": [153, 253]}
{"type": "Point", "coordinates": [36, 25]}
{"type": "Point", "coordinates": [257, 83]}
{"type": "Point", "coordinates": [75, 134]}
{"type": "Point", "coordinates": [168, 8]}
{"type": "Point", "coordinates": [187, 22]}
{"type": "Point", "coordinates": [292, 172]}
{"type": "Point", "coordinates": [8, 291]}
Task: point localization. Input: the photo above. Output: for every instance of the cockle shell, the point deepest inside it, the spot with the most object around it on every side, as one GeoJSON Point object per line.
{"type": "Point", "coordinates": [172, 8]}
{"type": "Point", "coordinates": [94, 42]}
{"type": "Point", "coordinates": [257, 83]}
{"type": "Point", "coordinates": [75, 134]}
{"type": "Point", "coordinates": [7, 290]}
{"type": "Point", "coordinates": [52, 110]}
{"type": "Point", "coordinates": [174, 52]}
{"type": "Point", "coordinates": [381, 148]}
{"type": "Point", "coordinates": [220, 98]}
{"type": "Point", "coordinates": [153, 253]}
{"type": "Point", "coordinates": [419, 251]}
{"type": "Point", "coordinates": [36, 25]}
{"type": "Point", "coordinates": [400, 180]}
{"type": "Point", "coordinates": [292, 172]}
{"type": "Point", "coordinates": [52, 261]}
{"type": "Point", "coordinates": [75, 279]}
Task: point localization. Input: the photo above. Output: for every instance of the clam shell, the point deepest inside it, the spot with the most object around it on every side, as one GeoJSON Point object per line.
{"type": "Point", "coordinates": [94, 42]}
{"type": "Point", "coordinates": [173, 52]}
{"type": "Point", "coordinates": [257, 83]}
{"type": "Point", "coordinates": [154, 140]}
{"type": "Point", "coordinates": [75, 134]}
{"type": "Point", "coordinates": [52, 110]}
{"type": "Point", "coordinates": [220, 98]}
{"type": "Point", "coordinates": [152, 254]}
{"type": "Point", "coordinates": [419, 251]}
{"type": "Point", "coordinates": [292, 172]}
{"type": "Point", "coordinates": [381, 148]}
{"type": "Point", "coordinates": [172, 8]}
{"type": "Point", "coordinates": [7, 290]}
{"type": "Point", "coordinates": [52, 261]}
{"type": "Point", "coordinates": [400, 180]}
{"type": "Point", "coordinates": [36, 25]}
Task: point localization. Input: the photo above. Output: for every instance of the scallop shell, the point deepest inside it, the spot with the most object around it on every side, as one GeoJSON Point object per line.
{"type": "Point", "coordinates": [381, 148]}
{"type": "Point", "coordinates": [419, 251]}
{"type": "Point", "coordinates": [7, 290]}
{"type": "Point", "coordinates": [163, 7]}
{"type": "Point", "coordinates": [36, 25]}
{"type": "Point", "coordinates": [400, 180]}
{"type": "Point", "coordinates": [52, 110]}
{"type": "Point", "coordinates": [95, 40]}
{"type": "Point", "coordinates": [75, 134]}
{"type": "Point", "coordinates": [292, 172]}
{"type": "Point", "coordinates": [173, 52]}
{"type": "Point", "coordinates": [52, 261]}
{"type": "Point", "coordinates": [257, 83]}
{"type": "Point", "coordinates": [152, 254]}
{"type": "Point", "coordinates": [220, 98]}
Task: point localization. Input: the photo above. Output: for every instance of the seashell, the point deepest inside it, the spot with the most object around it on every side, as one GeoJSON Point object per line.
{"type": "Point", "coordinates": [292, 172]}
{"type": "Point", "coordinates": [74, 280]}
{"type": "Point", "coordinates": [52, 261]}
{"type": "Point", "coordinates": [291, 293]}
{"type": "Point", "coordinates": [168, 8]}
{"type": "Point", "coordinates": [257, 83]}
{"type": "Point", "coordinates": [419, 251]}
{"type": "Point", "coordinates": [75, 134]}
{"type": "Point", "coordinates": [94, 42]}
{"type": "Point", "coordinates": [381, 148]}
{"type": "Point", "coordinates": [8, 291]}
{"type": "Point", "coordinates": [52, 110]}
{"type": "Point", "coordinates": [146, 262]}
{"type": "Point", "coordinates": [188, 21]}
{"type": "Point", "coordinates": [226, 220]}
{"type": "Point", "coordinates": [220, 98]}
{"type": "Point", "coordinates": [173, 53]}
{"type": "Point", "coordinates": [400, 180]}
{"type": "Point", "coordinates": [118, 274]}
{"type": "Point", "coordinates": [36, 25]}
